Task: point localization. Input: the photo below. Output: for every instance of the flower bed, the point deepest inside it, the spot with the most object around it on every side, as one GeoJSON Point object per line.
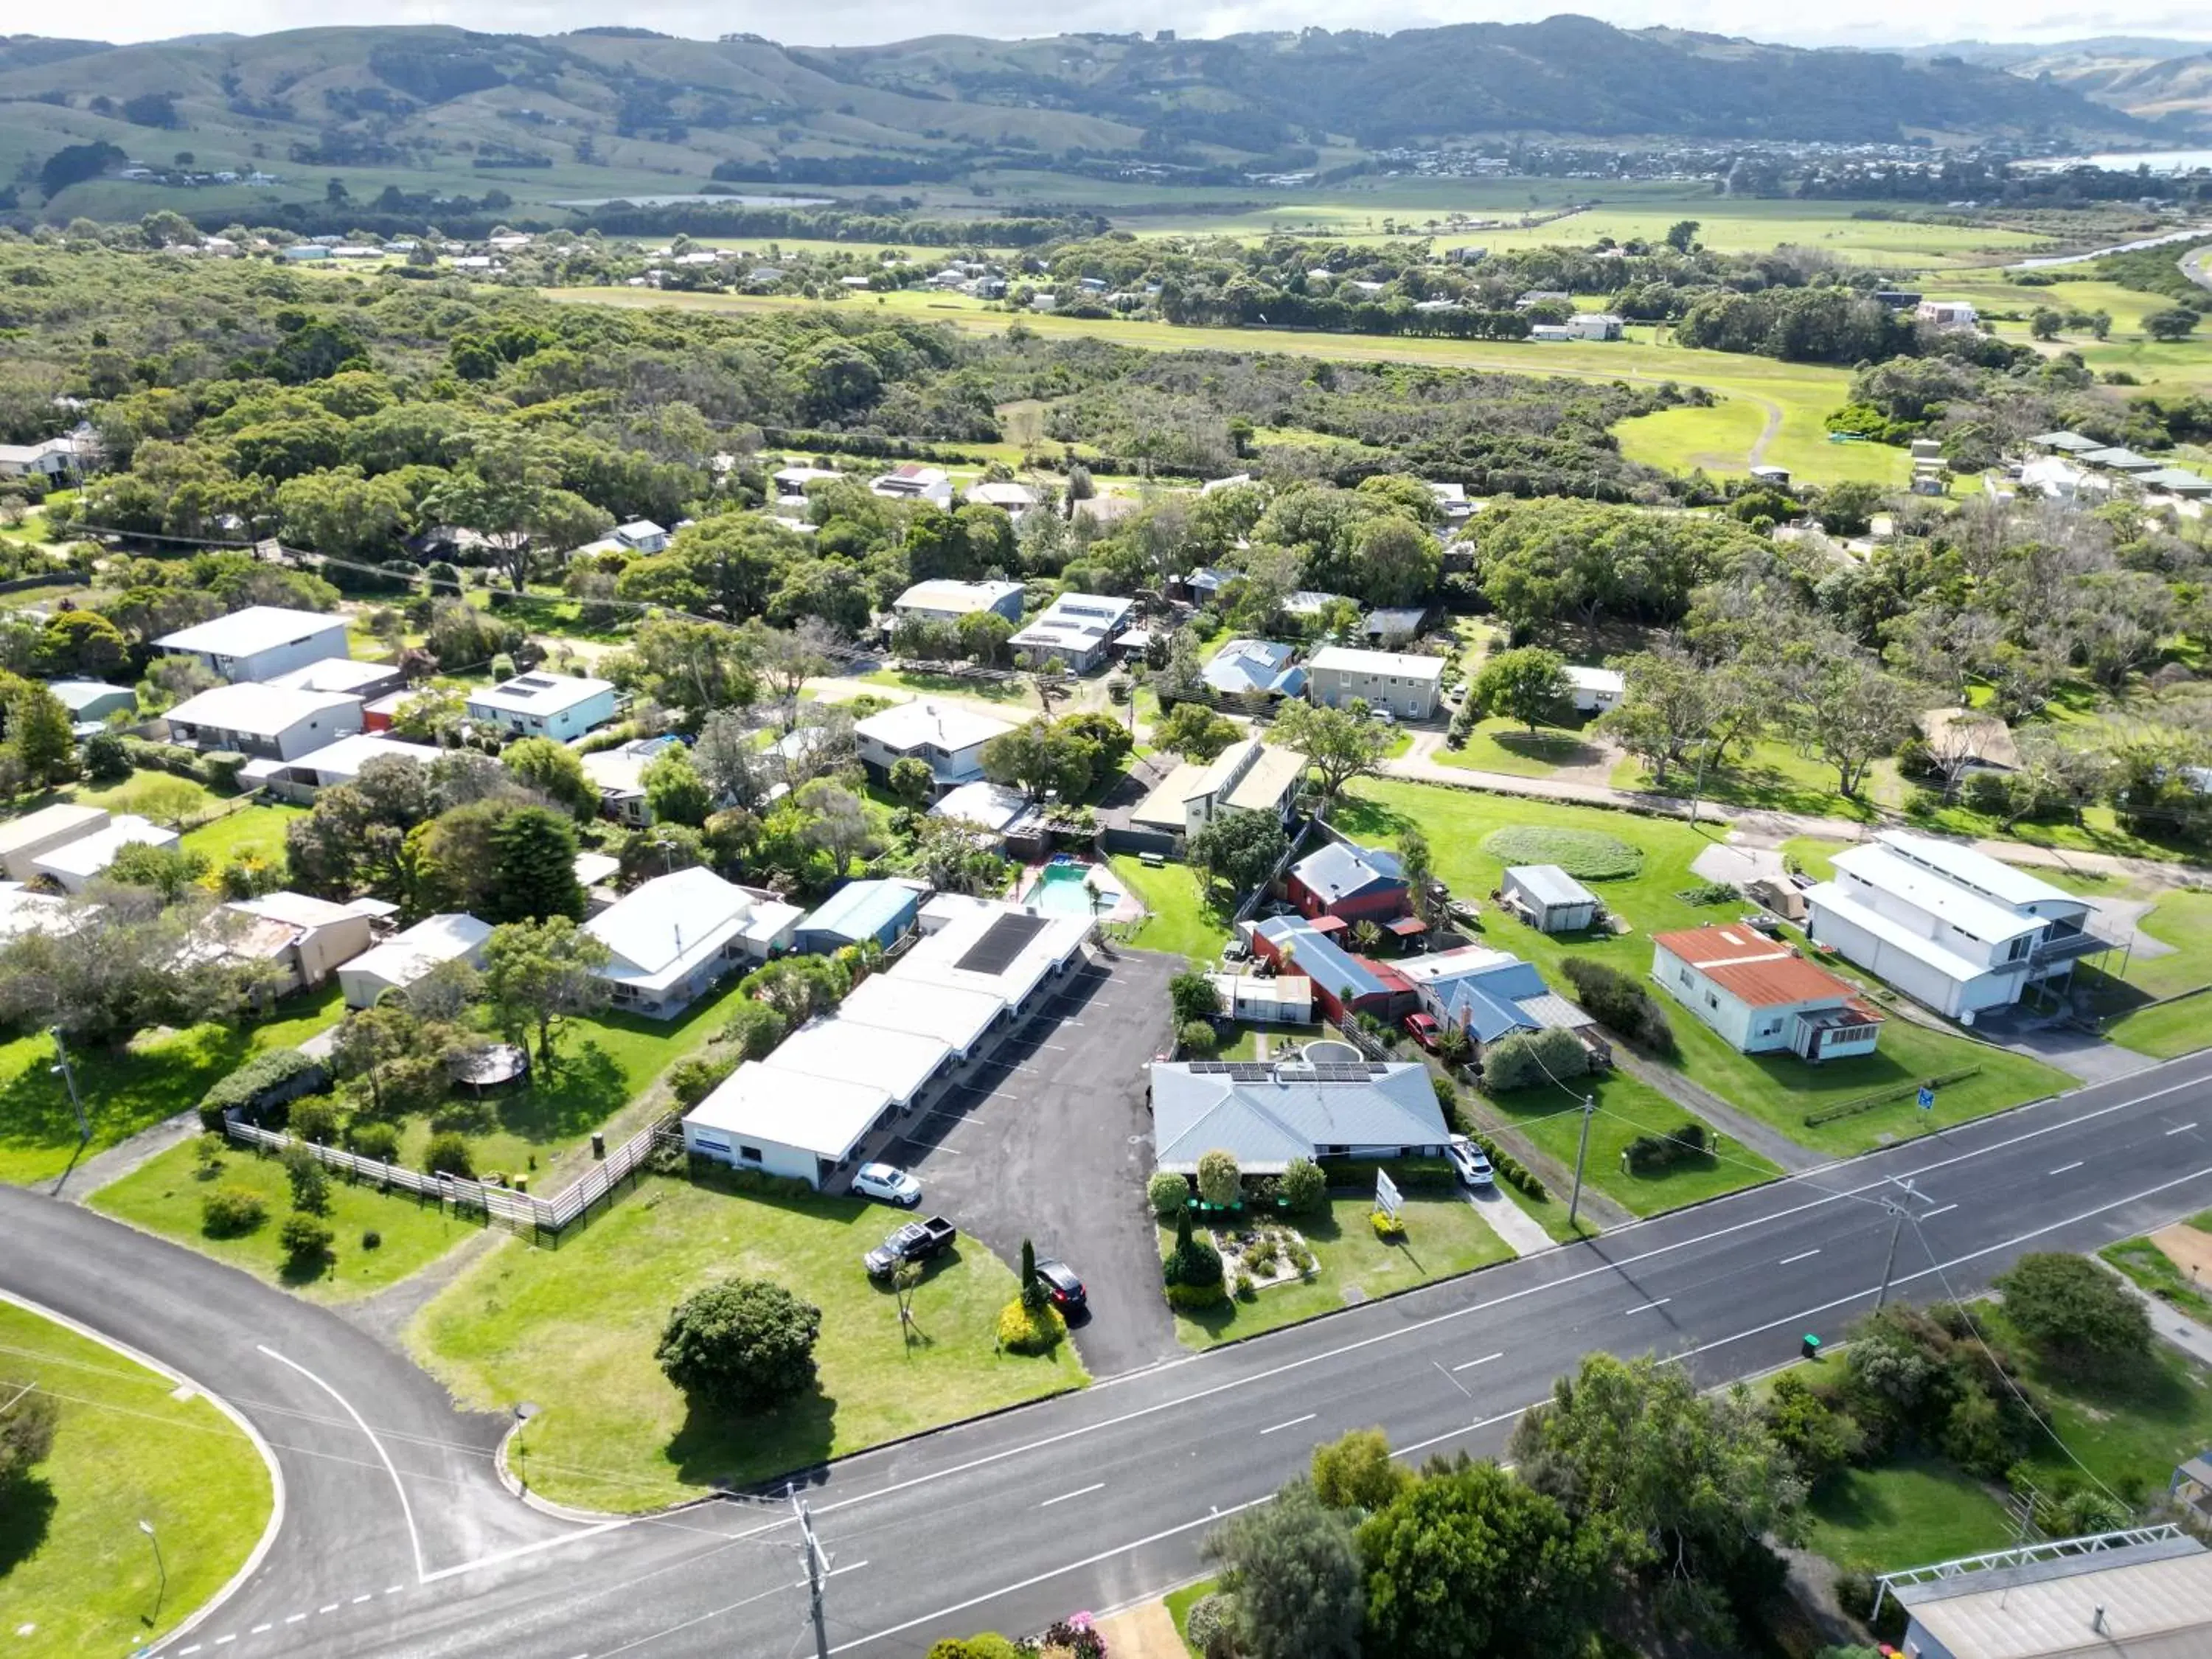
{"type": "Point", "coordinates": [1265, 1252]}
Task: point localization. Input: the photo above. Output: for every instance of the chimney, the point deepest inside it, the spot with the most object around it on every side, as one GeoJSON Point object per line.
{"type": "Point", "coordinates": [2097, 1624]}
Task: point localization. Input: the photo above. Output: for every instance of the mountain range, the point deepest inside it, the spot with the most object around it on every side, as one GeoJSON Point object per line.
{"type": "Point", "coordinates": [2150, 78]}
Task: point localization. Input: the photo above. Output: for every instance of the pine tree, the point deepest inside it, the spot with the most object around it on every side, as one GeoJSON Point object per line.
{"type": "Point", "coordinates": [39, 731]}
{"type": "Point", "coordinates": [536, 850]}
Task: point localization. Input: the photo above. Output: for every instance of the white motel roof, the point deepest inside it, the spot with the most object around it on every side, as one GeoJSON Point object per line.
{"type": "Point", "coordinates": [88, 856]}
{"type": "Point", "coordinates": [1596, 679]}
{"type": "Point", "coordinates": [1001, 949]}
{"type": "Point", "coordinates": [257, 710]}
{"type": "Point", "coordinates": [888, 1002]}
{"type": "Point", "coordinates": [246, 632]}
{"type": "Point", "coordinates": [345, 758]}
{"type": "Point", "coordinates": [63, 817]}
{"type": "Point", "coordinates": [816, 1114]}
{"type": "Point", "coordinates": [899, 1063]}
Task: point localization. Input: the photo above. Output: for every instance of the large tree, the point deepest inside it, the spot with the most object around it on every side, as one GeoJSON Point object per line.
{"type": "Point", "coordinates": [540, 974]}
{"type": "Point", "coordinates": [1529, 684]}
{"type": "Point", "coordinates": [554, 771]}
{"type": "Point", "coordinates": [1291, 1566]}
{"type": "Point", "coordinates": [1845, 707]}
{"type": "Point", "coordinates": [1340, 743]}
{"type": "Point", "coordinates": [1239, 849]}
{"type": "Point", "coordinates": [743, 1345]}
{"type": "Point", "coordinates": [534, 852]}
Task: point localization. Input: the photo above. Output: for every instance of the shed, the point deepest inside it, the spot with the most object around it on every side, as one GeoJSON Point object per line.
{"type": "Point", "coordinates": [93, 700]}
{"type": "Point", "coordinates": [407, 957]}
{"type": "Point", "coordinates": [880, 910]}
{"type": "Point", "coordinates": [76, 862]}
{"type": "Point", "coordinates": [23, 840]}
{"type": "Point", "coordinates": [1549, 899]}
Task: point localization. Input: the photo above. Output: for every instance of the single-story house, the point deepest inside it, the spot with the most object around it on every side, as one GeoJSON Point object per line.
{"type": "Point", "coordinates": [364, 680]}
{"type": "Point", "coordinates": [1452, 504]}
{"type": "Point", "coordinates": [1392, 624]}
{"type": "Point", "coordinates": [260, 641]}
{"type": "Point", "coordinates": [2064, 443]}
{"type": "Point", "coordinates": [618, 773]}
{"type": "Point", "coordinates": [1493, 995]}
{"type": "Point", "coordinates": [948, 601]}
{"type": "Point", "coordinates": [334, 763]}
{"type": "Point", "coordinates": [1266, 1114]}
{"type": "Point", "coordinates": [409, 956]}
{"type": "Point", "coordinates": [901, 1064]}
{"type": "Point", "coordinates": [91, 701]}
{"type": "Point", "coordinates": [264, 722]}
{"type": "Point", "coordinates": [24, 840]}
{"type": "Point", "coordinates": [1596, 689]}
{"type": "Point", "coordinates": [963, 1017]}
{"type": "Point", "coordinates": [1077, 629]}
{"type": "Point", "coordinates": [1761, 996]}
{"type": "Point", "coordinates": [642, 536]}
{"type": "Point", "coordinates": [1010, 498]}
{"type": "Point", "coordinates": [784, 1123]}
{"type": "Point", "coordinates": [791, 482]}
{"type": "Point", "coordinates": [982, 945]}
{"type": "Point", "coordinates": [309, 938]}
{"type": "Point", "coordinates": [911, 481]}
{"type": "Point", "coordinates": [1348, 881]}
{"type": "Point", "coordinates": [2178, 481]}
{"type": "Point", "coordinates": [1246, 667]}
{"type": "Point", "coordinates": [674, 938]}
{"type": "Point", "coordinates": [1393, 681]}
{"type": "Point", "coordinates": [877, 910]}
{"type": "Point", "coordinates": [1343, 984]}
{"type": "Point", "coordinates": [1004, 812]}
{"type": "Point", "coordinates": [948, 736]}
{"type": "Point", "coordinates": [542, 705]}
{"type": "Point", "coordinates": [22, 911]}
{"type": "Point", "coordinates": [2119, 459]}
{"type": "Point", "coordinates": [75, 863]}
{"type": "Point", "coordinates": [1248, 776]}
{"type": "Point", "coordinates": [1547, 898]}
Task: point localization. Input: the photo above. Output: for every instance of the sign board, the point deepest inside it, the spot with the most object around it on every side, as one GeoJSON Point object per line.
{"type": "Point", "coordinates": [1386, 1193]}
{"type": "Point", "coordinates": [1927, 1098]}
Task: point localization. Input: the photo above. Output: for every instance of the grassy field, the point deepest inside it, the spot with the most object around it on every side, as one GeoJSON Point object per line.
{"type": "Point", "coordinates": [256, 829]}
{"type": "Point", "coordinates": [1180, 922]}
{"type": "Point", "coordinates": [574, 1330]}
{"type": "Point", "coordinates": [1444, 1236]}
{"type": "Point", "coordinates": [163, 1196]}
{"type": "Point", "coordinates": [2156, 1272]}
{"type": "Point", "coordinates": [76, 1575]}
{"type": "Point", "coordinates": [2183, 920]}
{"type": "Point", "coordinates": [1904, 1514]}
{"type": "Point", "coordinates": [1501, 743]}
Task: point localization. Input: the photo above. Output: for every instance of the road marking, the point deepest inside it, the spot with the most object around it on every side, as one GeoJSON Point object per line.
{"type": "Point", "coordinates": [1484, 1360]}
{"type": "Point", "coordinates": [358, 1600]}
{"type": "Point", "coordinates": [1450, 1378]}
{"type": "Point", "coordinates": [833, 1571]}
{"type": "Point", "coordinates": [499, 1556]}
{"type": "Point", "coordinates": [220, 1640]}
{"type": "Point", "coordinates": [1292, 1424]}
{"type": "Point", "coordinates": [1648, 1306]}
{"type": "Point", "coordinates": [296, 1618]}
{"type": "Point", "coordinates": [1080, 1492]}
{"type": "Point", "coordinates": [393, 1589]}
{"type": "Point", "coordinates": [1940, 1209]}
{"type": "Point", "coordinates": [1802, 1256]}
{"type": "Point", "coordinates": [181, 1652]}
{"type": "Point", "coordinates": [258, 1629]}
{"type": "Point", "coordinates": [329, 1607]}
{"type": "Point", "coordinates": [406, 1509]}
{"type": "Point", "coordinates": [2064, 1168]}
{"type": "Point", "coordinates": [2181, 1128]}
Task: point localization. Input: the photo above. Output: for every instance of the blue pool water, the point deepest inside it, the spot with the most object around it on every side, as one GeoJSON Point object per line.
{"type": "Point", "coordinates": [1059, 891]}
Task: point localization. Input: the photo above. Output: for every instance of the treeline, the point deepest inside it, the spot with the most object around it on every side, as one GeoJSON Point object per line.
{"type": "Point", "coordinates": [822, 225]}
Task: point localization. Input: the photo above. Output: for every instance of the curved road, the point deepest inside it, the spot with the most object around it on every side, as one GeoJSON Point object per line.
{"type": "Point", "coordinates": [1087, 1501]}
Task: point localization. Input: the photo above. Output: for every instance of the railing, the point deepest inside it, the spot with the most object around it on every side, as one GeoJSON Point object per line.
{"type": "Point", "coordinates": [2068, 946]}
{"type": "Point", "coordinates": [2025, 1555]}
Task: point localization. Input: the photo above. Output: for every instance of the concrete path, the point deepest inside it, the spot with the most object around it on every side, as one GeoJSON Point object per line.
{"type": "Point", "coordinates": [1738, 1125]}
{"type": "Point", "coordinates": [1510, 1222]}
{"type": "Point", "coordinates": [2175, 1327]}
{"type": "Point", "coordinates": [104, 1169]}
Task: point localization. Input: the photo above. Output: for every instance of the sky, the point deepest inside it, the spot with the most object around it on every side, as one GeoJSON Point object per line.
{"type": "Point", "coordinates": [855, 22]}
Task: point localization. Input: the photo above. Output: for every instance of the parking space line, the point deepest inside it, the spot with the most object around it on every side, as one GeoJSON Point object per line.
{"type": "Point", "coordinates": [1470, 1364]}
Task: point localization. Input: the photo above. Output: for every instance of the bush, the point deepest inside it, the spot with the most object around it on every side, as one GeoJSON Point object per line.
{"type": "Point", "coordinates": [1987, 792]}
{"type": "Point", "coordinates": [1220, 1182]}
{"type": "Point", "coordinates": [1197, 1040]}
{"type": "Point", "coordinates": [1024, 1330]}
{"type": "Point", "coordinates": [1210, 1626]}
{"type": "Point", "coordinates": [742, 1345]}
{"type": "Point", "coordinates": [105, 759]}
{"type": "Point", "coordinates": [1708, 892]}
{"type": "Point", "coordinates": [1587, 855]}
{"type": "Point", "coordinates": [1388, 1228]}
{"type": "Point", "coordinates": [449, 1154]}
{"type": "Point", "coordinates": [1193, 1262]}
{"type": "Point", "coordinates": [692, 1081]}
{"type": "Point", "coordinates": [1168, 1192]}
{"type": "Point", "coordinates": [753, 1027]}
{"type": "Point", "coordinates": [1303, 1188]}
{"type": "Point", "coordinates": [1651, 1154]}
{"type": "Point", "coordinates": [311, 1182]}
{"type": "Point", "coordinates": [1190, 1298]}
{"type": "Point", "coordinates": [372, 1240]}
{"type": "Point", "coordinates": [313, 1120]}
{"type": "Point", "coordinates": [267, 1079]}
{"type": "Point", "coordinates": [1620, 1004]}
{"type": "Point", "coordinates": [228, 1211]}
{"type": "Point", "coordinates": [371, 1140]}
{"type": "Point", "coordinates": [306, 1242]}
{"type": "Point", "coordinates": [1527, 1059]}
{"type": "Point", "coordinates": [2074, 1311]}
{"type": "Point", "coordinates": [221, 766]}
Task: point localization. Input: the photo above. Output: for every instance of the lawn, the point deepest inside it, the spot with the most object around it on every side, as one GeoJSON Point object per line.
{"type": "Point", "coordinates": [255, 829]}
{"type": "Point", "coordinates": [1813, 855]}
{"type": "Point", "coordinates": [2156, 1272]}
{"type": "Point", "coordinates": [154, 1076]}
{"type": "Point", "coordinates": [1504, 745]}
{"type": "Point", "coordinates": [1282, 1039]}
{"type": "Point", "coordinates": [1773, 774]}
{"type": "Point", "coordinates": [76, 1575]}
{"type": "Point", "coordinates": [1180, 922]}
{"type": "Point", "coordinates": [1179, 1604]}
{"type": "Point", "coordinates": [2166, 1032]}
{"type": "Point", "coordinates": [1444, 1236]}
{"type": "Point", "coordinates": [176, 796]}
{"type": "Point", "coordinates": [574, 1331]}
{"type": "Point", "coordinates": [1906, 1515]}
{"type": "Point", "coordinates": [163, 1196]}
{"type": "Point", "coordinates": [959, 685]}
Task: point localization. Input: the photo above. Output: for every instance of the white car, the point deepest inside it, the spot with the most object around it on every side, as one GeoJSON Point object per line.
{"type": "Point", "coordinates": [1468, 1159]}
{"type": "Point", "coordinates": [892, 1186]}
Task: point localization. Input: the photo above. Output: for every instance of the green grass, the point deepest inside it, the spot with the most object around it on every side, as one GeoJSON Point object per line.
{"type": "Point", "coordinates": [1010, 691]}
{"type": "Point", "coordinates": [1281, 1038]}
{"type": "Point", "coordinates": [1182, 921]}
{"type": "Point", "coordinates": [256, 829]}
{"type": "Point", "coordinates": [1773, 774]}
{"type": "Point", "coordinates": [574, 1330]}
{"type": "Point", "coordinates": [1586, 854]}
{"type": "Point", "coordinates": [1813, 855]}
{"type": "Point", "coordinates": [128, 795]}
{"type": "Point", "coordinates": [2166, 1032]}
{"type": "Point", "coordinates": [1906, 1515]}
{"type": "Point", "coordinates": [163, 1196]}
{"type": "Point", "coordinates": [1503, 744]}
{"type": "Point", "coordinates": [1444, 1236]}
{"type": "Point", "coordinates": [1628, 1109]}
{"type": "Point", "coordinates": [153, 1076]}
{"type": "Point", "coordinates": [2156, 1272]}
{"type": "Point", "coordinates": [1179, 1604]}
{"type": "Point", "coordinates": [74, 1567]}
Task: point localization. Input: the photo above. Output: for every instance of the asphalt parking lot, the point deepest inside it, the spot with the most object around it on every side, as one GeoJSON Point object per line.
{"type": "Point", "coordinates": [1051, 1141]}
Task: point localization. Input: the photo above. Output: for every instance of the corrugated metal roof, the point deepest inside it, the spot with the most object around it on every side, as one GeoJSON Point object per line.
{"type": "Point", "coordinates": [861, 909]}
{"type": "Point", "coordinates": [1264, 1125]}
{"type": "Point", "coordinates": [1548, 885]}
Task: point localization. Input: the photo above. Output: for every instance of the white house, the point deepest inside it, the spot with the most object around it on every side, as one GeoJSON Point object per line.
{"type": "Point", "coordinates": [618, 773]}
{"type": "Point", "coordinates": [674, 936]}
{"type": "Point", "coordinates": [264, 722]}
{"type": "Point", "coordinates": [1405, 685]}
{"type": "Point", "coordinates": [911, 481]}
{"type": "Point", "coordinates": [24, 840]}
{"type": "Point", "coordinates": [642, 536]}
{"type": "Point", "coordinates": [786, 1123]}
{"type": "Point", "coordinates": [1596, 689]}
{"type": "Point", "coordinates": [260, 641]}
{"type": "Point", "coordinates": [948, 601]}
{"type": "Point", "coordinates": [364, 680]}
{"type": "Point", "coordinates": [1010, 498]}
{"type": "Point", "coordinates": [1076, 628]}
{"type": "Point", "coordinates": [410, 955]}
{"type": "Point", "coordinates": [948, 737]}
{"type": "Point", "coordinates": [1250, 776]}
{"type": "Point", "coordinates": [1594, 325]}
{"type": "Point", "coordinates": [1761, 996]}
{"type": "Point", "coordinates": [1267, 1116]}
{"type": "Point", "coordinates": [542, 705]}
{"type": "Point", "coordinates": [1947, 926]}
{"type": "Point", "coordinates": [308, 775]}
{"type": "Point", "coordinates": [75, 863]}
{"type": "Point", "coordinates": [51, 457]}
{"type": "Point", "coordinates": [1947, 314]}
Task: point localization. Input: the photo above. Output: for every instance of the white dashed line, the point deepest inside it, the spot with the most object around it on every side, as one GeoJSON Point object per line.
{"type": "Point", "coordinates": [1940, 1209]}
{"type": "Point", "coordinates": [2181, 1128]}
{"type": "Point", "coordinates": [393, 1589]}
{"type": "Point", "coordinates": [1081, 1491]}
{"type": "Point", "coordinates": [2064, 1168]}
{"type": "Point", "coordinates": [1470, 1364]}
{"type": "Point", "coordinates": [358, 1600]}
{"type": "Point", "coordinates": [258, 1629]}
{"type": "Point", "coordinates": [181, 1652]}
{"type": "Point", "coordinates": [328, 1607]}
{"type": "Point", "coordinates": [220, 1640]}
{"type": "Point", "coordinates": [1292, 1424]}
{"type": "Point", "coordinates": [296, 1618]}
{"type": "Point", "coordinates": [1802, 1256]}
{"type": "Point", "coordinates": [1648, 1306]}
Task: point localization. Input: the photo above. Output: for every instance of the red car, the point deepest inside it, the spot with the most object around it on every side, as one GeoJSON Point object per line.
{"type": "Point", "coordinates": [1422, 1030]}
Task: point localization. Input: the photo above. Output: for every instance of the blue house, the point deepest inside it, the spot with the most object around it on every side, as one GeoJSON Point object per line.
{"type": "Point", "coordinates": [880, 910]}
{"type": "Point", "coordinates": [1243, 666]}
{"type": "Point", "coordinates": [1489, 994]}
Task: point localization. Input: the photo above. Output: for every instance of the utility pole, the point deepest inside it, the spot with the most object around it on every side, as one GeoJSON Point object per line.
{"type": "Point", "coordinates": [69, 1076]}
{"type": "Point", "coordinates": [816, 1566]}
{"type": "Point", "coordinates": [1582, 1151]}
{"type": "Point", "coordinates": [1899, 1215]}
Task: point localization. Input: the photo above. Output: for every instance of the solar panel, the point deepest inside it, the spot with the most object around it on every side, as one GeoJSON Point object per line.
{"type": "Point", "coordinates": [1001, 943]}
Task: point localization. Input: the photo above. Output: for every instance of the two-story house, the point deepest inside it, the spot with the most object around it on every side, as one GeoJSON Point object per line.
{"type": "Point", "coordinates": [264, 722]}
{"type": "Point", "coordinates": [1079, 628]}
{"type": "Point", "coordinates": [948, 737]}
{"type": "Point", "coordinates": [1250, 776]}
{"type": "Point", "coordinates": [1407, 686]}
{"type": "Point", "coordinates": [261, 641]}
{"type": "Point", "coordinates": [1947, 926]}
{"type": "Point", "coordinates": [948, 601]}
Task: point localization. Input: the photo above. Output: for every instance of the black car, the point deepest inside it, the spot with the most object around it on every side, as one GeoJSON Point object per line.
{"type": "Point", "coordinates": [1060, 1280]}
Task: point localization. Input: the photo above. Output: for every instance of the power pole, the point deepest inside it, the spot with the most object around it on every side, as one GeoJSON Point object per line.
{"type": "Point", "coordinates": [1582, 1151]}
{"type": "Point", "coordinates": [1899, 1215]}
{"type": "Point", "coordinates": [816, 1566]}
{"type": "Point", "coordinates": [69, 1076]}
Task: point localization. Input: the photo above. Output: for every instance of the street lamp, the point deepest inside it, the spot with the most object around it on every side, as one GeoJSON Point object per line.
{"type": "Point", "coordinates": [160, 1565]}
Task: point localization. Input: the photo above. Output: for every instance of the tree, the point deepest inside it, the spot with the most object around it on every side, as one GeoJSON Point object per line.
{"type": "Point", "coordinates": [1669, 708]}
{"type": "Point", "coordinates": [1356, 1472]}
{"type": "Point", "coordinates": [1846, 710]}
{"type": "Point", "coordinates": [1529, 684]}
{"type": "Point", "coordinates": [1239, 848]}
{"type": "Point", "coordinates": [1341, 744]}
{"type": "Point", "coordinates": [1472, 1562]}
{"type": "Point", "coordinates": [1295, 1576]}
{"type": "Point", "coordinates": [2177, 324]}
{"type": "Point", "coordinates": [506, 491]}
{"type": "Point", "coordinates": [539, 974]}
{"type": "Point", "coordinates": [1682, 234]}
{"type": "Point", "coordinates": [674, 790]}
{"type": "Point", "coordinates": [310, 1182]}
{"type": "Point", "coordinates": [743, 1345]}
{"type": "Point", "coordinates": [912, 781]}
{"type": "Point", "coordinates": [798, 988]}
{"type": "Point", "coordinates": [448, 1153]}
{"type": "Point", "coordinates": [82, 645]}
{"type": "Point", "coordinates": [535, 853]}
{"type": "Point", "coordinates": [2044, 323]}
{"type": "Point", "coordinates": [40, 735]}
{"type": "Point", "coordinates": [1195, 732]}
{"type": "Point", "coordinates": [368, 1044]}
{"type": "Point", "coordinates": [554, 771]}
{"type": "Point", "coordinates": [1220, 1182]}
{"type": "Point", "coordinates": [1848, 508]}
{"type": "Point", "coordinates": [170, 872]}
{"type": "Point", "coordinates": [1040, 759]}
{"type": "Point", "coordinates": [1036, 1295]}
{"type": "Point", "coordinates": [305, 1241]}
{"type": "Point", "coordinates": [1193, 997]}
{"type": "Point", "coordinates": [26, 1435]}
{"type": "Point", "coordinates": [1421, 886]}
{"type": "Point", "coordinates": [2074, 1311]}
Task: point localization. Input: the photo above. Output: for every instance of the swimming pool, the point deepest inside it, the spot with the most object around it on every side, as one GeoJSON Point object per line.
{"type": "Point", "coordinates": [1060, 891]}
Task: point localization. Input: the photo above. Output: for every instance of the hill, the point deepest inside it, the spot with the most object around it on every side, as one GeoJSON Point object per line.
{"type": "Point", "coordinates": [2148, 77]}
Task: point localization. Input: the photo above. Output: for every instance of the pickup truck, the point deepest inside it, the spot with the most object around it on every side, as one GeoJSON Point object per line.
{"type": "Point", "coordinates": [917, 1241]}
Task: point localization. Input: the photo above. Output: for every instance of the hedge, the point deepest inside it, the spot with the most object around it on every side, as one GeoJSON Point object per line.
{"type": "Point", "coordinates": [267, 1079]}
{"type": "Point", "coordinates": [1883, 1097]}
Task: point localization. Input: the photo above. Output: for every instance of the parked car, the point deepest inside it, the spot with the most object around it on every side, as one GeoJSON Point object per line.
{"type": "Point", "coordinates": [1468, 1159]}
{"type": "Point", "coordinates": [918, 1241]}
{"type": "Point", "coordinates": [1422, 1029]}
{"type": "Point", "coordinates": [889, 1183]}
{"type": "Point", "coordinates": [1066, 1289]}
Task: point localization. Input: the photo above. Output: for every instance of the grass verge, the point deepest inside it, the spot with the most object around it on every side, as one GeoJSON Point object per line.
{"type": "Point", "coordinates": [1628, 1107]}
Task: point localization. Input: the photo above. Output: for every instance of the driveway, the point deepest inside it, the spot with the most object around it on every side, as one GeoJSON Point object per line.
{"type": "Point", "coordinates": [1053, 1142]}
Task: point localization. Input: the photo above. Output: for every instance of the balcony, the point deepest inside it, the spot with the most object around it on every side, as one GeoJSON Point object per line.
{"type": "Point", "coordinates": [2070, 945]}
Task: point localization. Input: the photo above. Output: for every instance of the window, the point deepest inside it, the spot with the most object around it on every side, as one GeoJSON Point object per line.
{"type": "Point", "coordinates": [1711, 1000]}
{"type": "Point", "coordinates": [751, 1154]}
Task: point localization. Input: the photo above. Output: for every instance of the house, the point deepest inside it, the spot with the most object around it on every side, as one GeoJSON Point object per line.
{"type": "Point", "coordinates": [1266, 1115]}
{"type": "Point", "coordinates": [2178, 481]}
{"type": "Point", "coordinates": [1307, 604]}
{"type": "Point", "coordinates": [1762, 995]}
{"type": "Point", "coordinates": [1004, 812]}
{"type": "Point", "coordinates": [1596, 689]}
{"type": "Point", "coordinates": [673, 939]}
{"type": "Point", "coordinates": [791, 482]}
{"type": "Point", "coordinates": [364, 680]}
{"type": "Point", "coordinates": [2064, 443]}
{"type": "Point", "coordinates": [75, 863]}
{"type": "Point", "coordinates": [24, 840]}
{"type": "Point", "coordinates": [1254, 667]}
{"type": "Point", "coordinates": [22, 911]}
{"type": "Point", "coordinates": [1452, 507]}
{"type": "Point", "coordinates": [1777, 476]}
{"type": "Point", "coordinates": [2117, 459]}
{"type": "Point", "coordinates": [309, 938]}
{"type": "Point", "coordinates": [902, 1065]}
{"type": "Point", "coordinates": [1594, 325]}
{"type": "Point", "coordinates": [1947, 315]}
{"type": "Point", "coordinates": [1392, 624]}
{"type": "Point", "coordinates": [303, 779]}
{"type": "Point", "coordinates": [948, 737]}
{"type": "Point", "coordinates": [1234, 481]}
{"type": "Point", "coordinates": [1343, 984]}
{"type": "Point", "coordinates": [91, 701]}
{"type": "Point", "coordinates": [618, 773]}
{"type": "Point", "coordinates": [1077, 628]}
{"type": "Point", "coordinates": [264, 722]}
{"type": "Point", "coordinates": [407, 957]}
{"type": "Point", "coordinates": [542, 705]}
{"type": "Point", "coordinates": [784, 1123]}
{"type": "Point", "coordinates": [50, 458]}
{"type": "Point", "coordinates": [642, 536]}
{"type": "Point", "coordinates": [963, 1017]}
{"type": "Point", "coordinates": [947, 601]}
{"type": "Point", "coordinates": [1350, 882]}
{"type": "Point", "coordinates": [877, 910]}
{"type": "Point", "coordinates": [1407, 686]}
{"type": "Point", "coordinates": [1547, 898]}
{"type": "Point", "coordinates": [1949, 926]}
{"type": "Point", "coordinates": [260, 641]}
{"type": "Point", "coordinates": [911, 481]}
{"type": "Point", "coordinates": [1002, 950]}
{"type": "Point", "coordinates": [2058, 480]}
{"type": "Point", "coordinates": [2142, 1594]}
{"type": "Point", "coordinates": [1493, 995]}
{"type": "Point", "coordinates": [1011, 499]}
{"type": "Point", "coordinates": [1248, 776]}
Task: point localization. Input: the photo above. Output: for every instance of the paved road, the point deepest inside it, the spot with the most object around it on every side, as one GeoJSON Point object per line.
{"type": "Point", "coordinates": [1096, 1498]}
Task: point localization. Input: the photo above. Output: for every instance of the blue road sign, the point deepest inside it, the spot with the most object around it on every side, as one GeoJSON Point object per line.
{"type": "Point", "coordinates": [1927, 1098]}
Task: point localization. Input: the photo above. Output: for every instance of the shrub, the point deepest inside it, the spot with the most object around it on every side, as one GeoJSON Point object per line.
{"type": "Point", "coordinates": [367, 1139]}
{"type": "Point", "coordinates": [1025, 1330]}
{"type": "Point", "coordinates": [1587, 855]}
{"type": "Point", "coordinates": [311, 1182]}
{"type": "Point", "coordinates": [449, 1154]}
{"type": "Point", "coordinates": [1620, 1004]}
{"type": "Point", "coordinates": [692, 1081]}
{"type": "Point", "coordinates": [372, 1240]}
{"type": "Point", "coordinates": [266, 1080]}
{"type": "Point", "coordinates": [2074, 1311]}
{"type": "Point", "coordinates": [306, 1242]}
{"type": "Point", "coordinates": [753, 1027]}
{"type": "Point", "coordinates": [1210, 1628]}
{"type": "Point", "coordinates": [1527, 1059]}
{"type": "Point", "coordinates": [742, 1345]}
{"type": "Point", "coordinates": [1168, 1192]}
{"type": "Point", "coordinates": [1987, 792]}
{"type": "Point", "coordinates": [313, 1120]}
{"type": "Point", "coordinates": [228, 1211]}
{"type": "Point", "coordinates": [1197, 1040]}
{"type": "Point", "coordinates": [1388, 1228]}
{"type": "Point", "coordinates": [1653, 1153]}
{"type": "Point", "coordinates": [105, 759]}
{"type": "Point", "coordinates": [1708, 892]}
{"type": "Point", "coordinates": [1194, 1262]}
{"type": "Point", "coordinates": [1220, 1182]}
{"type": "Point", "coordinates": [1304, 1188]}
{"type": "Point", "coordinates": [1190, 1298]}
{"type": "Point", "coordinates": [1925, 803]}
{"type": "Point", "coordinates": [207, 1155]}
{"type": "Point", "coordinates": [222, 767]}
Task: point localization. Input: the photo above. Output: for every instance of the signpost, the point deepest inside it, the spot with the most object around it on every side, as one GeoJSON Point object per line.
{"type": "Point", "coordinates": [1927, 1098]}
{"type": "Point", "coordinates": [1386, 1193]}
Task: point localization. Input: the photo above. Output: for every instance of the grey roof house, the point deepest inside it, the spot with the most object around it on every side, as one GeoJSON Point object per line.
{"type": "Point", "coordinates": [1265, 1114]}
{"type": "Point", "coordinates": [1243, 666]}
